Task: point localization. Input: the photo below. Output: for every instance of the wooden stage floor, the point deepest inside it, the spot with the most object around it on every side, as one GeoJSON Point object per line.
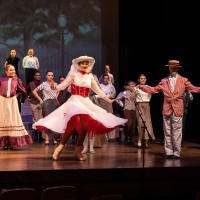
{"type": "Point", "coordinates": [121, 168]}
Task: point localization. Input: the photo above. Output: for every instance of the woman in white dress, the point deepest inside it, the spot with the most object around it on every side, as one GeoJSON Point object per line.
{"type": "Point", "coordinates": [79, 113]}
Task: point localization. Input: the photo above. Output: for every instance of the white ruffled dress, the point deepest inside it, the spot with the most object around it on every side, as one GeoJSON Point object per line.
{"type": "Point", "coordinates": [63, 118]}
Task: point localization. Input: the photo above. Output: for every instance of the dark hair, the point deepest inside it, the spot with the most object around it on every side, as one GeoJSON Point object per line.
{"type": "Point", "coordinates": [106, 75]}
{"type": "Point", "coordinates": [48, 71]}
{"type": "Point", "coordinates": [10, 52]}
{"type": "Point", "coordinates": [36, 72]}
{"type": "Point", "coordinates": [141, 75]}
{"type": "Point", "coordinates": [126, 83]}
{"type": "Point", "coordinates": [132, 82]}
{"type": "Point", "coordinates": [61, 77]}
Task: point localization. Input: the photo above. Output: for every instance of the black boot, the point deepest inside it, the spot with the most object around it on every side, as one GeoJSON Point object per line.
{"type": "Point", "coordinates": [36, 135]}
{"type": "Point", "coordinates": [40, 136]}
{"type": "Point", "coordinates": [130, 142]}
{"type": "Point", "coordinates": [120, 136]}
{"type": "Point", "coordinates": [126, 139]}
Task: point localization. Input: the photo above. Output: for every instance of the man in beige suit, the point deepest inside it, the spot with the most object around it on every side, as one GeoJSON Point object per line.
{"type": "Point", "coordinates": [173, 88]}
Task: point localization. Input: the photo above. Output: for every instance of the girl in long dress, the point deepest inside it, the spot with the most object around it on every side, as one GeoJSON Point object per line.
{"type": "Point", "coordinates": [12, 131]}
{"type": "Point", "coordinates": [79, 113]}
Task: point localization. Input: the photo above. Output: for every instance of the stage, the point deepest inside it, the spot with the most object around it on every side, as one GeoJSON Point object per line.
{"type": "Point", "coordinates": [115, 168]}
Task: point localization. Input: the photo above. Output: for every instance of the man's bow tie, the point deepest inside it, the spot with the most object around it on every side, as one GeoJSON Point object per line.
{"type": "Point", "coordinates": [172, 75]}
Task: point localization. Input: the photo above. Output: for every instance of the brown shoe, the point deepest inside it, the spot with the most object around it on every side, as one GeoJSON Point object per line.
{"type": "Point", "coordinates": [78, 155]}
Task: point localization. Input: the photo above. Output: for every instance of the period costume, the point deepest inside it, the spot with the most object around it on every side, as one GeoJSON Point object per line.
{"type": "Point", "coordinates": [143, 98]}
{"type": "Point", "coordinates": [12, 131]}
{"type": "Point", "coordinates": [111, 78]}
{"type": "Point", "coordinates": [30, 64]}
{"type": "Point", "coordinates": [14, 62]}
{"type": "Point", "coordinates": [173, 88]}
{"type": "Point", "coordinates": [79, 107]}
{"type": "Point", "coordinates": [110, 91]}
{"type": "Point", "coordinates": [129, 113]}
{"type": "Point", "coordinates": [35, 106]}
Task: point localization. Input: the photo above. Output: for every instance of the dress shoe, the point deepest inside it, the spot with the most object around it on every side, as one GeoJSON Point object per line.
{"type": "Point", "coordinates": [176, 157]}
{"type": "Point", "coordinates": [84, 151]}
{"type": "Point", "coordinates": [55, 142]}
{"type": "Point", "coordinates": [5, 148]}
{"type": "Point", "coordinates": [169, 156]}
{"type": "Point", "coordinates": [118, 138]}
{"type": "Point", "coordinates": [36, 139]}
{"type": "Point", "coordinates": [78, 154]}
{"type": "Point", "coordinates": [58, 151]}
{"type": "Point", "coordinates": [92, 151]}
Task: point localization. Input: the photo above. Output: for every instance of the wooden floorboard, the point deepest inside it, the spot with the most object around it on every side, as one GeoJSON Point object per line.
{"type": "Point", "coordinates": [114, 168]}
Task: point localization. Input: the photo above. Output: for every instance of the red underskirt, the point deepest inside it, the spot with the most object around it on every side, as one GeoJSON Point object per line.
{"type": "Point", "coordinates": [94, 127]}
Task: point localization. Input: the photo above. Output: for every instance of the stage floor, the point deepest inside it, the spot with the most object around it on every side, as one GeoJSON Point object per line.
{"type": "Point", "coordinates": [114, 169]}
{"type": "Point", "coordinates": [115, 154]}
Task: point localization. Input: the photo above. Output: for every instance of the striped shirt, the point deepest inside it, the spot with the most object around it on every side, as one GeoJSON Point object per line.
{"type": "Point", "coordinates": [47, 91]}
{"type": "Point", "coordinates": [30, 62]}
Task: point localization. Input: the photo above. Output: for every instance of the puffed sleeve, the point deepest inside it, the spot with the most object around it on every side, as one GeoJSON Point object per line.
{"type": "Point", "coordinates": [20, 86]}
{"type": "Point", "coordinates": [97, 89]}
{"type": "Point", "coordinates": [68, 81]}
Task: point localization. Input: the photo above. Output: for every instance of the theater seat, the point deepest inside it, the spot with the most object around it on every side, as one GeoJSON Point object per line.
{"type": "Point", "coordinates": [59, 193]}
{"type": "Point", "coordinates": [108, 197]}
{"type": "Point", "coordinates": [18, 193]}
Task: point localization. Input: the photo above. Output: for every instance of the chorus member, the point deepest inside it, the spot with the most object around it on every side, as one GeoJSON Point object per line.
{"type": "Point", "coordinates": [110, 91]}
{"type": "Point", "coordinates": [35, 105]}
{"type": "Point", "coordinates": [13, 60]}
{"type": "Point", "coordinates": [129, 113]}
{"type": "Point", "coordinates": [12, 131]}
{"type": "Point", "coordinates": [142, 101]}
{"type": "Point", "coordinates": [49, 102]}
{"type": "Point", "coordinates": [30, 63]}
{"type": "Point", "coordinates": [79, 113]}
{"type": "Point", "coordinates": [121, 101]}
{"type": "Point", "coordinates": [173, 87]}
{"type": "Point", "coordinates": [107, 72]}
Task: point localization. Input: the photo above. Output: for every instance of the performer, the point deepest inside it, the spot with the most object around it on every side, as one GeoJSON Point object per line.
{"type": "Point", "coordinates": [89, 142]}
{"type": "Point", "coordinates": [35, 105]}
{"type": "Point", "coordinates": [13, 60]}
{"type": "Point", "coordinates": [49, 102]}
{"type": "Point", "coordinates": [30, 63]}
{"type": "Point", "coordinates": [12, 131]}
{"type": "Point", "coordinates": [63, 96]}
{"type": "Point", "coordinates": [107, 72]}
{"type": "Point", "coordinates": [110, 91]}
{"type": "Point", "coordinates": [142, 99]}
{"type": "Point", "coordinates": [121, 102]}
{"type": "Point", "coordinates": [129, 113]}
{"type": "Point", "coordinates": [173, 88]}
{"type": "Point", "coordinates": [79, 112]}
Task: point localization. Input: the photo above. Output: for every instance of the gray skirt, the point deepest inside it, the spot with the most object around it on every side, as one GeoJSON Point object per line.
{"type": "Point", "coordinates": [49, 106]}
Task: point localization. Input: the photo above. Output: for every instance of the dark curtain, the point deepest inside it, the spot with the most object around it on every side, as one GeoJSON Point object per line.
{"type": "Point", "coordinates": [150, 34]}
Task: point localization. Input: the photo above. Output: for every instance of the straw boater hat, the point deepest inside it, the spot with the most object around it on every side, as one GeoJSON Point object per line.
{"type": "Point", "coordinates": [76, 61]}
{"type": "Point", "coordinates": [173, 63]}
